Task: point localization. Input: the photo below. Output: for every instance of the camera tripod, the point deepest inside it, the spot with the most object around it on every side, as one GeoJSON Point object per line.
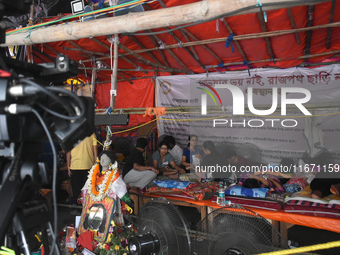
{"type": "Point", "coordinates": [33, 215]}
{"type": "Point", "coordinates": [22, 209]}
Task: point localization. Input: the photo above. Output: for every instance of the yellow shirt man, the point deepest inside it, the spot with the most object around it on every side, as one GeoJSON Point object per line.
{"type": "Point", "coordinates": [80, 160]}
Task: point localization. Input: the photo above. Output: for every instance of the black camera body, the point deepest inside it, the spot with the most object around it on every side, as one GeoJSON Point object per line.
{"type": "Point", "coordinates": [33, 112]}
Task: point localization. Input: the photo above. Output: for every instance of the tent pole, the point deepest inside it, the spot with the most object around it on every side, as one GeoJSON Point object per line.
{"type": "Point", "coordinates": [331, 106]}
{"type": "Point", "coordinates": [184, 14]}
{"type": "Point", "coordinates": [93, 83]}
{"type": "Point", "coordinates": [113, 91]}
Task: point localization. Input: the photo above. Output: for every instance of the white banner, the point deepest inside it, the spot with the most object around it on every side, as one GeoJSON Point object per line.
{"type": "Point", "coordinates": [278, 134]}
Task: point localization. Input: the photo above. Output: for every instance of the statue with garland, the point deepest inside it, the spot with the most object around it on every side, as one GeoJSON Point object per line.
{"type": "Point", "coordinates": [105, 197]}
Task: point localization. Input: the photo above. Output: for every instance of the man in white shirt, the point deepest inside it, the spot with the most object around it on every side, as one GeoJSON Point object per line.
{"type": "Point", "coordinates": [175, 151]}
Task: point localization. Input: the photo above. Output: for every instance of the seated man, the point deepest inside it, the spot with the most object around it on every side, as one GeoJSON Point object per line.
{"type": "Point", "coordinates": [175, 151]}
{"type": "Point", "coordinates": [135, 173]}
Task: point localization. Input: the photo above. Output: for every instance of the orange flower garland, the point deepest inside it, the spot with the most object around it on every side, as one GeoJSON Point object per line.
{"type": "Point", "coordinates": [97, 179]}
{"type": "Point", "coordinates": [103, 182]}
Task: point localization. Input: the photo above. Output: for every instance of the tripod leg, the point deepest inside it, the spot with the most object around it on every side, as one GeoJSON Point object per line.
{"type": "Point", "coordinates": [45, 241]}
{"type": "Point", "coordinates": [55, 246]}
{"type": "Point", "coordinates": [24, 243]}
{"type": "Point", "coordinates": [19, 229]}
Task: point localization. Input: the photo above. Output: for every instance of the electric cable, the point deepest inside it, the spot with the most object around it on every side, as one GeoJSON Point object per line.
{"type": "Point", "coordinates": [41, 88]}
{"type": "Point", "coordinates": [135, 3]}
{"type": "Point", "coordinates": [104, 11]}
{"type": "Point", "coordinates": [74, 97]}
{"type": "Point", "coordinates": [54, 178]}
{"type": "Point", "coordinates": [50, 94]}
{"type": "Point", "coordinates": [57, 99]}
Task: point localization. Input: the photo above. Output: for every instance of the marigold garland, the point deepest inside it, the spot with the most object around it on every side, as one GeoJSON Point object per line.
{"type": "Point", "coordinates": [103, 187]}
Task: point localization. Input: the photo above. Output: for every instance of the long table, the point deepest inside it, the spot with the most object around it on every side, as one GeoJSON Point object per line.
{"type": "Point", "coordinates": [280, 219]}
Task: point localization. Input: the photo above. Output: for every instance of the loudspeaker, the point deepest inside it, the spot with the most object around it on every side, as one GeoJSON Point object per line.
{"type": "Point", "coordinates": [111, 119]}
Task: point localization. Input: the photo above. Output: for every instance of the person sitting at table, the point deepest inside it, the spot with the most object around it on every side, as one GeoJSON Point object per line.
{"type": "Point", "coordinates": [164, 162]}
{"type": "Point", "coordinates": [175, 151]}
{"type": "Point", "coordinates": [135, 173]}
{"type": "Point", "coordinates": [192, 155]}
{"type": "Point", "coordinates": [212, 159]}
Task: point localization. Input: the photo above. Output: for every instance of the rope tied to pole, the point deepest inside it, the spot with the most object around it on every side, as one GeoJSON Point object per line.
{"type": "Point", "coordinates": [245, 62]}
{"type": "Point", "coordinates": [229, 42]}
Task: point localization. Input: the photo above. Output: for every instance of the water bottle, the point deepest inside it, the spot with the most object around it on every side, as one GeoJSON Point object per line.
{"type": "Point", "coordinates": [221, 195]}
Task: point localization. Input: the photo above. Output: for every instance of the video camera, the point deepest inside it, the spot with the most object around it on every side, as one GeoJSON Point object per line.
{"type": "Point", "coordinates": [33, 112]}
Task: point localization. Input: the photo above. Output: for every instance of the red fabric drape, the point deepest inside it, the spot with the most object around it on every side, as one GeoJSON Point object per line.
{"type": "Point", "coordinates": [139, 94]}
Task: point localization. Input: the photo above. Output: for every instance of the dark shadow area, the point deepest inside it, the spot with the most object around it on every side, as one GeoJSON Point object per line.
{"type": "Point", "coordinates": [309, 236]}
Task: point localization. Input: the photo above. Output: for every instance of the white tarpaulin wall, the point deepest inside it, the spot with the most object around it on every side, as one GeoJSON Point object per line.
{"type": "Point", "coordinates": [276, 135]}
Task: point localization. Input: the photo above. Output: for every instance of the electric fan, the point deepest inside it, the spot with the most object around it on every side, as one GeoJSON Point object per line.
{"type": "Point", "coordinates": [162, 229]}
{"type": "Point", "coordinates": [236, 231]}
{"type": "Point", "coordinates": [249, 151]}
{"type": "Point", "coordinates": [231, 230]}
{"type": "Point", "coordinates": [324, 157]}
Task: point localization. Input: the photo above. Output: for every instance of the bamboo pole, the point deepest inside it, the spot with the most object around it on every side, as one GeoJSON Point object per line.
{"type": "Point", "coordinates": [246, 37]}
{"type": "Point", "coordinates": [87, 51]}
{"type": "Point", "coordinates": [136, 41]}
{"type": "Point", "coordinates": [130, 80]}
{"type": "Point", "coordinates": [108, 48]}
{"type": "Point", "coordinates": [93, 83]}
{"type": "Point", "coordinates": [264, 28]}
{"type": "Point", "coordinates": [235, 38]}
{"type": "Point", "coordinates": [292, 21]}
{"type": "Point", "coordinates": [169, 69]}
{"type": "Point", "coordinates": [309, 33]}
{"type": "Point", "coordinates": [191, 53]}
{"type": "Point", "coordinates": [113, 91]}
{"type": "Point", "coordinates": [144, 60]}
{"type": "Point", "coordinates": [204, 46]}
{"type": "Point", "coordinates": [132, 70]}
{"type": "Point", "coordinates": [329, 30]}
{"type": "Point", "coordinates": [154, 42]}
{"type": "Point", "coordinates": [149, 77]}
{"type": "Point", "coordinates": [236, 42]}
{"type": "Point", "coordinates": [218, 109]}
{"type": "Point", "coordinates": [36, 50]}
{"type": "Point", "coordinates": [184, 14]}
{"type": "Point", "coordinates": [333, 52]}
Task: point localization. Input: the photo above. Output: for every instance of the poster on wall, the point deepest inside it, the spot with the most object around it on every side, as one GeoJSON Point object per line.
{"type": "Point", "coordinates": [272, 113]}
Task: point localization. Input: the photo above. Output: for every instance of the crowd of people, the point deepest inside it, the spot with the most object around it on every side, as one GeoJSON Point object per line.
{"type": "Point", "coordinates": [192, 163]}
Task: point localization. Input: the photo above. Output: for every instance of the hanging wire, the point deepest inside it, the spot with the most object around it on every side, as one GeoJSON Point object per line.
{"type": "Point", "coordinates": [100, 12]}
